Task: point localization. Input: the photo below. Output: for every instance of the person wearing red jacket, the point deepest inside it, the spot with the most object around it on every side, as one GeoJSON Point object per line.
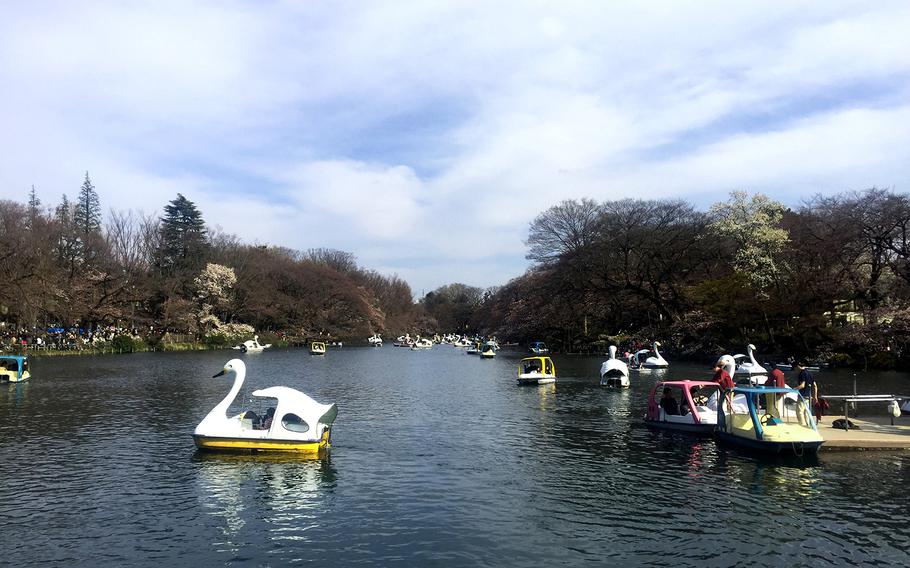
{"type": "Point", "coordinates": [721, 376]}
{"type": "Point", "coordinates": [777, 378]}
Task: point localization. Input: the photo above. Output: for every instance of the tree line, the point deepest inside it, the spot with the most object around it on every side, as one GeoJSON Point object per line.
{"type": "Point", "coordinates": [67, 266]}
{"type": "Point", "coordinates": [828, 279]}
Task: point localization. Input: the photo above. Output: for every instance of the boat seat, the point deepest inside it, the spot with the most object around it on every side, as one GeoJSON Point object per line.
{"type": "Point", "coordinates": [250, 420]}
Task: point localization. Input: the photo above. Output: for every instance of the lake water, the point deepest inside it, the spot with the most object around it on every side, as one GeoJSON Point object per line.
{"type": "Point", "coordinates": [438, 459]}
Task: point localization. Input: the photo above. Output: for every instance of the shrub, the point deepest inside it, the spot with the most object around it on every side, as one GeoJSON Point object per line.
{"type": "Point", "coordinates": [128, 344]}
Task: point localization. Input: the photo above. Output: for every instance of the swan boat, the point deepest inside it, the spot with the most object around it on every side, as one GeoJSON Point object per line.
{"type": "Point", "coordinates": [297, 424]}
{"type": "Point", "coordinates": [538, 348]}
{"type": "Point", "coordinates": [691, 395]}
{"type": "Point", "coordinates": [642, 360]}
{"type": "Point", "coordinates": [750, 367]}
{"type": "Point", "coordinates": [536, 371]}
{"type": "Point", "coordinates": [252, 345]}
{"type": "Point", "coordinates": [404, 341]}
{"type": "Point", "coordinates": [657, 360]}
{"type": "Point", "coordinates": [375, 340]}
{"type": "Point", "coordinates": [317, 348]}
{"type": "Point", "coordinates": [767, 419]}
{"type": "Point", "coordinates": [613, 372]}
{"type": "Point", "coordinates": [474, 349]}
{"type": "Point", "coordinates": [421, 343]}
{"type": "Point", "coordinates": [488, 350]}
{"type": "Point", "coordinates": [14, 368]}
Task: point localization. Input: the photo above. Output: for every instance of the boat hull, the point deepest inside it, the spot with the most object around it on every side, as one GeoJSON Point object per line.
{"type": "Point", "coordinates": [14, 377]}
{"type": "Point", "coordinates": [795, 447]}
{"type": "Point", "coordinates": [696, 429]}
{"type": "Point", "coordinates": [231, 444]}
{"type": "Point", "coordinates": [537, 381]}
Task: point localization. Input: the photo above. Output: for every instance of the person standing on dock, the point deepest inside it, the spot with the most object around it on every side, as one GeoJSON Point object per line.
{"type": "Point", "coordinates": [806, 385]}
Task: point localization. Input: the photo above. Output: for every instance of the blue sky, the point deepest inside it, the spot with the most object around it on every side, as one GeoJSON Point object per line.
{"type": "Point", "coordinates": [423, 137]}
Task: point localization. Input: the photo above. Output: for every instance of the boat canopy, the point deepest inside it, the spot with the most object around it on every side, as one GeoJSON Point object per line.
{"type": "Point", "coordinates": [301, 409]}
{"type": "Point", "coordinates": [10, 364]}
{"type": "Point", "coordinates": [20, 361]}
{"type": "Point", "coordinates": [540, 364]}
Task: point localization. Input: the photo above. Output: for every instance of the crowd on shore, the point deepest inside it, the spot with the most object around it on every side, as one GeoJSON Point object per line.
{"type": "Point", "coordinates": [65, 339]}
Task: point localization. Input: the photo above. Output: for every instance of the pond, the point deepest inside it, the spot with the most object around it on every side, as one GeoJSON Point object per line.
{"type": "Point", "coordinates": [438, 459]}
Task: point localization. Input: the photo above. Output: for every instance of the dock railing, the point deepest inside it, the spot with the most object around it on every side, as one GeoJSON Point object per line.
{"type": "Point", "coordinates": [854, 398]}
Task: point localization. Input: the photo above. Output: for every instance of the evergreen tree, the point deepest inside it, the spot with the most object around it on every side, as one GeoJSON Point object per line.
{"type": "Point", "coordinates": [63, 212]}
{"type": "Point", "coordinates": [67, 244]}
{"type": "Point", "coordinates": [182, 234]}
{"type": "Point", "coordinates": [34, 208]}
{"type": "Point", "coordinates": [88, 209]}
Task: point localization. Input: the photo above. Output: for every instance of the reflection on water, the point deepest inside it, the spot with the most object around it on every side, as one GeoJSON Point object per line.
{"type": "Point", "coordinates": [438, 459]}
{"type": "Point", "coordinates": [281, 491]}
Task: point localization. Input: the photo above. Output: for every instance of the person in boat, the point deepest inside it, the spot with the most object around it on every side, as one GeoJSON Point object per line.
{"type": "Point", "coordinates": [668, 403]}
{"type": "Point", "coordinates": [269, 415]}
{"type": "Point", "coordinates": [806, 383]}
{"type": "Point", "coordinates": [721, 376]}
{"type": "Point", "coordinates": [777, 378]}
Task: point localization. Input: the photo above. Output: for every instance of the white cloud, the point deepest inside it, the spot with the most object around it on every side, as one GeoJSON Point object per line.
{"type": "Point", "coordinates": [287, 122]}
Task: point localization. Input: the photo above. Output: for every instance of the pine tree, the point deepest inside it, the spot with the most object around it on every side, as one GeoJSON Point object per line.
{"type": "Point", "coordinates": [182, 234]}
{"type": "Point", "coordinates": [67, 245]}
{"type": "Point", "coordinates": [63, 212]}
{"type": "Point", "coordinates": [34, 208]}
{"type": "Point", "coordinates": [88, 209]}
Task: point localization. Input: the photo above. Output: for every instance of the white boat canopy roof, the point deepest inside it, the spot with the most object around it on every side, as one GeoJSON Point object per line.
{"type": "Point", "coordinates": [291, 400]}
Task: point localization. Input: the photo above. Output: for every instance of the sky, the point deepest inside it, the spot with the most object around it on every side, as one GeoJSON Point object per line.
{"type": "Point", "coordinates": [425, 136]}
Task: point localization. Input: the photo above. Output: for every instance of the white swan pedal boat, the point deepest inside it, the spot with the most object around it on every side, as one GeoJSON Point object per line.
{"type": "Point", "coordinates": [644, 361]}
{"type": "Point", "coordinates": [613, 372]}
{"type": "Point", "coordinates": [252, 345]}
{"type": "Point", "coordinates": [297, 424]}
{"type": "Point", "coordinates": [746, 365]}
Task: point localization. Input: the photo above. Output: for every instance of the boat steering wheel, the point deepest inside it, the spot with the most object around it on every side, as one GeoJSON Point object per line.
{"type": "Point", "coordinates": [765, 419]}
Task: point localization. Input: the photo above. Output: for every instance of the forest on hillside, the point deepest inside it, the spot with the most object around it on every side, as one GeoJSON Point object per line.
{"type": "Point", "coordinates": [828, 279]}
{"type": "Point", "coordinates": [68, 266]}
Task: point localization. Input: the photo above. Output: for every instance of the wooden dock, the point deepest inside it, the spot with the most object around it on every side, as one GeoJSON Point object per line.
{"type": "Point", "coordinates": [874, 433]}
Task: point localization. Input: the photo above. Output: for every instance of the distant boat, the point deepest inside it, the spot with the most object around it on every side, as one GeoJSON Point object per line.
{"type": "Point", "coordinates": [317, 348]}
{"type": "Point", "coordinates": [643, 360]}
{"type": "Point", "coordinates": [538, 348]}
{"type": "Point", "coordinates": [488, 350]}
{"type": "Point", "coordinates": [375, 340]}
{"type": "Point", "coordinates": [252, 345]}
